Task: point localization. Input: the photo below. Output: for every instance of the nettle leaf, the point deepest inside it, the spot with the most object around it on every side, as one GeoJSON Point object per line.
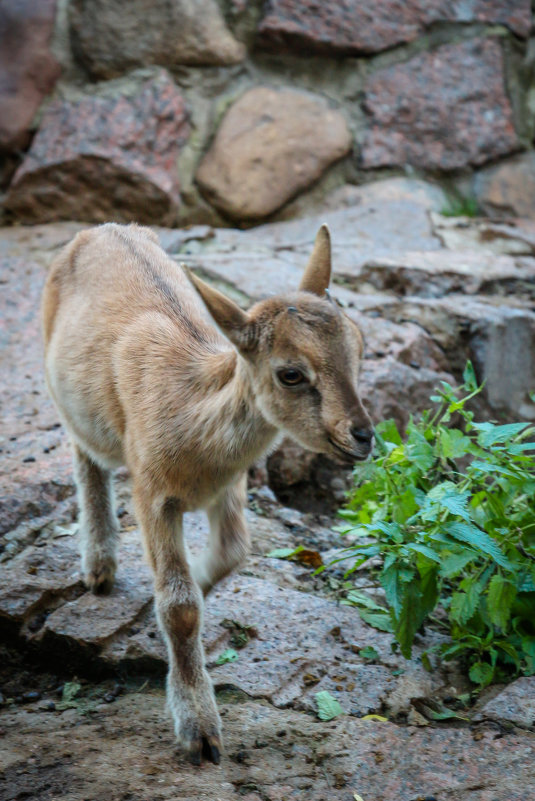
{"type": "Point", "coordinates": [361, 599]}
{"type": "Point", "coordinates": [409, 619]}
{"type": "Point", "coordinates": [379, 620]}
{"type": "Point", "coordinates": [454, 564]}
{"type": "Point", "coordinates": [466, 532]}
{"type": "Point", "coordinates": [419, 451]}
{"type": "Point", "coordinates": [394, 581]}
{"type": "Point", "coordinates": [328, 707]}
{"type": "Point", "coordinates": [425, 550]}
{"type": "Point", "coordinates": [464, 604]}
{"type": "Point", "coordinates": [500, 598]}
{"type": "Point", "coordinates": [489, 467]}
{"type": "Point", "coordinates": [447, 496]}
{"type": "Point", "coordinates": [404, 506]}
{"type": "Point", "coordinates": [469, 377]}
{"type": "Point", "coordinates": [490, 434]}
{"type": "Point", "coordinates": [387, 430]}
{"type": "Point", "coordinates": [453, 443]}
{"type": "Point", "coordinates": [481, 673]}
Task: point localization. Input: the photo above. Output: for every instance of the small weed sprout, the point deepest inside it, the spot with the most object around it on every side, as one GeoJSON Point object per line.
{"type": "Point", "coordinates": [461, 207]}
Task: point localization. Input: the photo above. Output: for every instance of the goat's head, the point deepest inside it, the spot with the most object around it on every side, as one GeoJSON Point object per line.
{"type": "Point", "coordinates": [303, 354]}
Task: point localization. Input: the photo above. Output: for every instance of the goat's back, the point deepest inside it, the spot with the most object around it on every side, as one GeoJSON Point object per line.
{"type": "Point", "coordinates": [117, 309]}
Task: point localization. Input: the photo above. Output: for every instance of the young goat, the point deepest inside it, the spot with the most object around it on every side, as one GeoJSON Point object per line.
{"type": "Point", "coordinates": [142, 377]}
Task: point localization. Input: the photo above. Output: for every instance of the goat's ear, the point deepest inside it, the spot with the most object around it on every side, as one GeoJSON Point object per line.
{"type": "Point", "coordinates": [232, 321]}
{"type": "Point", "coordinates": [318, 271]}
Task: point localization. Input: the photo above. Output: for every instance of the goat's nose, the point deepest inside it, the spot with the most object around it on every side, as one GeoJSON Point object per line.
{"type": "Point", "coordinates": [363, 436]}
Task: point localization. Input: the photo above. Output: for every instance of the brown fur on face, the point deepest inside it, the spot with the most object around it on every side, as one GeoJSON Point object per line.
{"type": "Point", "coordinates": [142, 377]}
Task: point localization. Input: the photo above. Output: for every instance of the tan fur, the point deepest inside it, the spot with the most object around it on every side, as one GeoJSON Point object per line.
{"type": "Point", "coordinates": [142, 377]}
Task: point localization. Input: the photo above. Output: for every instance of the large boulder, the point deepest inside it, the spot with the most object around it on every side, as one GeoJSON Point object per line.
{"type": "Point", "coordinates": [427, 114]}
{"type": "Point", "coordinates": [28, 70]}
{"type": "Point", "coordinates": [111, 37]}
{"type": "Point", "coordinates": [105, 157]}
{"type": "Point", "coordinates": [270, 145]}
{"type": "Point", "coordinates": [353, 27]}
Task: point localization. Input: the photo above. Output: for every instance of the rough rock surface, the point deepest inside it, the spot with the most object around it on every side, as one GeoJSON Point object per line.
{"type": "Point", "coordinates": [125, 749]}
{"type": "Point", "coordinates": [513, 705]}
{"type": "Point", "coordinates": [111, 38]}
{"type": "Point", "coordinates": [105, 157]}
{"type": "Point", "coordinates": [354, 27]}
{"type": "Point", "coordinates": [508, 187]}
{"type": "Point", "coordinates": [28, 70]}
{"type": "Point", "coordinates": [270, 145]}
{"type": "Point", "coordinates": [424, 113]}
{"type": "Point", "coordinates": [43, 597]}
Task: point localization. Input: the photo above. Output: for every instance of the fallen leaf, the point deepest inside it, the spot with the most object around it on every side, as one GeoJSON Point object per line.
{"type": "Point", "coordinates": [328, 707]}
{"type": "Point", "coordinates": [375, 717]}
{"type": "Point", "coordinates": [230, 655]}
{"type": "Point", "coordinates": [435, 710]}
{"type": "Point", "coordinates": [307, 557]}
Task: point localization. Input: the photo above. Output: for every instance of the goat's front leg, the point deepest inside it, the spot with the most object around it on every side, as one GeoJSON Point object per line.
{"type": "Point", "coordinates": [99, 532]}
{"type": "Point", "coordinates": [179, 607]}
{"type": "Point", "coordinates": [229, 538]}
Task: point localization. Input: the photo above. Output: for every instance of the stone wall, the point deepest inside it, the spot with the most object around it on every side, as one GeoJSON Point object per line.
{"type": "Point", "coordinates": [175, 112]}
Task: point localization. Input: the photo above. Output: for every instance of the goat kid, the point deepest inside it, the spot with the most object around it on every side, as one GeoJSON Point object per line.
{"type": "Point", "coordinates": [142, 377]}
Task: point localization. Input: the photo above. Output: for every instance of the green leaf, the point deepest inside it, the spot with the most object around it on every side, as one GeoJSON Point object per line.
{"type": "Point", "coordinates": [387, 430]}
{"type": "Point", "coordinates": [490, 434]}
{"type": "Point", "coordinates": [466, 532]}
{"type": "Point", "coordinates": [453, 443]}
{"type": "Point", "coordinates": [284, 553]}
{"type": "Point", "coordinates": [409, 620]}
{"type": "Point", "coordinates": [361, 599]}
{"type": "Point", "coordinates": [229, 655]}
{"type": "Point", "coordinates": [489, 467]}
{"type": "Point", "coordinates": [425, 550]}
{"type": "Point", "coordinates": [426, 662]}
{"type": "Point", "coordinates": [469, 377]}
{"type": "Point", "coordinates": [379, 620]}
{"type": "Point", "coordinates": [368, 652]}
{"type": "Point", "coordinates": [464, 604]}
{"type": "Point", "coordinates": [447, 496]}
{"type": "Point", "coordinates": [453, 564]}
{"type": "Point", "coordinates": [481, 673]}
{"type": "Point", "coordinates": [435, 710]}
{"type": "Point", "coordinates": [71, 690]}
{"type": "Point", "coordinates": [500, 598]}
{"type": "Point", "coordinates": [419, 451]}
{"type": "Point", "coordinates": [393, 581]}
{"type": "Point", "coordinates": [328, 707]}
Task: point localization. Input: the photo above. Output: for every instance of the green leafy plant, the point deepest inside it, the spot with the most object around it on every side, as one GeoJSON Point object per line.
{"type": "Point", "coordinates": [451, 509]}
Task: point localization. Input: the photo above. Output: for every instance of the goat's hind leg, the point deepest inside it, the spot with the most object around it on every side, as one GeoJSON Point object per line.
{"type": "Point", "coordinates": [229, 538]}
{"type": "Point", "coordinates": [99, 533]}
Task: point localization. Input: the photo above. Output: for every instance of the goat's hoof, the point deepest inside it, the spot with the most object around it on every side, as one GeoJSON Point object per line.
{"type": "Point", "coordinates": [101, 578]}
{"type": "Point", "coordinates": [208, 748]}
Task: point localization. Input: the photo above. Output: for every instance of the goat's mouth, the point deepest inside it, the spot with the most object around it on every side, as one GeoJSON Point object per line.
{"type": "Point", "coordinates": [347, 456]}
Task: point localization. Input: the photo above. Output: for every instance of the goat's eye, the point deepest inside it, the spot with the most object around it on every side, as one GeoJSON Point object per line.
{"type": "Point", "coordinates": [290, 377]}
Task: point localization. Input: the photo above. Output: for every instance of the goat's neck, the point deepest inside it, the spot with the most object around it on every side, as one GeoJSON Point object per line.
{"type": "Point", "coordinates": [233, 428]}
